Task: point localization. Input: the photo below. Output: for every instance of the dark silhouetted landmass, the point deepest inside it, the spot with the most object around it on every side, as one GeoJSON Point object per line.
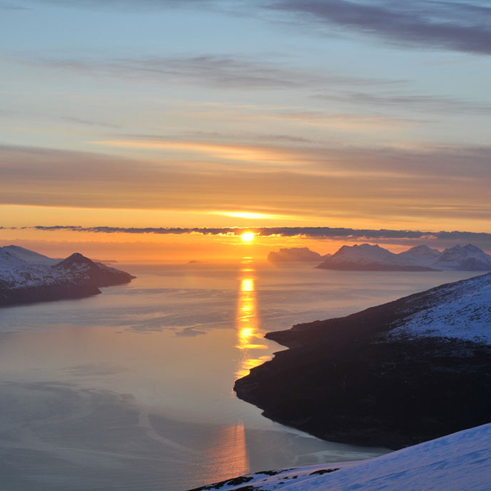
{"type": "Point", "coordinates": [394, 375]}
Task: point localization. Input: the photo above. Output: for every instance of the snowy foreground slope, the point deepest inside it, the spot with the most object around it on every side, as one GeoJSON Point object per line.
{"type": "Point", "coordinates": [26, 276]}
{"type": "Point", "coordinates": [393, 375]}
{"type": "Point", "coordinates": [458, 462]}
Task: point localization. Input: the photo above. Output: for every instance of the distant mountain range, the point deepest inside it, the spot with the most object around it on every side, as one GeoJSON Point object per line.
{"type": "Point", "coordinates": [366, 257]}
{"type": "Point", "coordinates": [26, 276]}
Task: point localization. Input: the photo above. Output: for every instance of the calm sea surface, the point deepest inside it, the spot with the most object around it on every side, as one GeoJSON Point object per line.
{"type": "Point", "coordinates": [132, 389]}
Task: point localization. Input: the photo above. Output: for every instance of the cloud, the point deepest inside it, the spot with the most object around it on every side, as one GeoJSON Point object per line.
{"type": "Point", "coordinates": [211, 70]}
{"type": "Point", "coordinates": [89, 122]}
{"type": "Point", "coordinates": [348, 234]}
{"type": "Point", "coordinates": [217, 71]}
{"type": "Point", "coordinates": [419, 23]}
{"type": "Point", "coordinates": [425, 103]}
{"type": "Point", "coordinates": [359, 184]}
{"type": "Point", "coordinates": [455, 26]}
{"type": "Point", "coordinates": [243, 153]}
{"type": "Point", "coordinates": [133, 5]}
{"type": "Point", "coordinates": [386, 237]}
{"type": "Point", "coordinates": [444, 161]}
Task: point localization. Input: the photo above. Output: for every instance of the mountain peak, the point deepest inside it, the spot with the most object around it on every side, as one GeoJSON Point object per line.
{"type": "Point", "coordinates": [75, 259]}
{"type": "Point", "coordinates": [467, 258]}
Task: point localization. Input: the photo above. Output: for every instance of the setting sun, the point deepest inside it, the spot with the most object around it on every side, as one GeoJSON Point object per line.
{"type": "Point", "coordinates": [248, 236]}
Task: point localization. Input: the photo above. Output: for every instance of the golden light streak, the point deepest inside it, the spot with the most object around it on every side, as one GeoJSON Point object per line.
{"type": "Point", "coordinates": [217, 150]}
{"type": "Point", "coordinates": [228, 454]}
{"type": "Point", "coordinates": [247, 324]}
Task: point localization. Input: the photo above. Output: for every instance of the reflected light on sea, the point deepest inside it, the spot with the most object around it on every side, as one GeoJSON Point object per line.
{"type": "Point", "coordinates": [247, 322]}
{"type": "Point", "coordinates": [227, 454]}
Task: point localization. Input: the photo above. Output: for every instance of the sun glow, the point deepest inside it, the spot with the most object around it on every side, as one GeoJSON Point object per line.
{"type": "Point", "coordinates": [248, 236]}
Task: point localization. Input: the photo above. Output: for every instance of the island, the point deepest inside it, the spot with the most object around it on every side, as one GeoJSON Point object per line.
{"type": "Point", "coordinates": [27, 277]}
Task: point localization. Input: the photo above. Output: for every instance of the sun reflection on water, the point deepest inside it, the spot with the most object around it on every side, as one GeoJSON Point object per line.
{"type": "Point", "coordinates": [248, 334]}
{"type": "Point", "coordinates": [227, 454]}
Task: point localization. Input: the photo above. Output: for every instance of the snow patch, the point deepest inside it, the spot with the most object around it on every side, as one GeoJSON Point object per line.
{"type": "Point", "coordinates": [460, 310]}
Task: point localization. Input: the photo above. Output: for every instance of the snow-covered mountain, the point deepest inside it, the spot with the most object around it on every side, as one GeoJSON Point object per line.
{"type": "Point", "coordinates": [29, 256]}
{"type": "Point", "coordinates": [368, 257]}
{"type": "Point", "coordinates": [294, 254]}
{"type": "Point", "coordinates": [461, 461]}
{"type": "Point", "coordinates": [26, 277]}
{"type": "Point", "coordinates": [420, 255]}
{"type": "Point", "coordinates": [468, 258]}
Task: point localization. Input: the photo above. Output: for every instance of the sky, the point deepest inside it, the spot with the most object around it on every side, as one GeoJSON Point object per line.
{"type": "Point", "coordinates": [137, 114]}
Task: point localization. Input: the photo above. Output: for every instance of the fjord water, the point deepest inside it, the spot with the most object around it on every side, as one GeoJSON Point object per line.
{"type": "Point", "coordinates": [132, 389]}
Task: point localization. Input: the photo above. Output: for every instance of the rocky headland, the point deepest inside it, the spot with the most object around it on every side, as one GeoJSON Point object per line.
{"type": "Point", "coordinates": [393, 375]}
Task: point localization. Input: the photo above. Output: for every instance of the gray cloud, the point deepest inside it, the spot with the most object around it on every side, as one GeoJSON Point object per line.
{"type": "Point", "coordinates": [455, 26]}
{"type": "Point", "coordinates": [420, 23]}
{"type": "Point", "coordinates": [221, 71]}
{"type": "Point", "coordinates": [422, 103]}
{"type": "Point", "coordinates": [314, 232]}
{"type": "Point", "coordinates": [441, 238]}
{"type": "Point", "coordinates": [212, 70]}
{"type": "Point", "coordinates": [89, 122]}
{"type": "Point", "coordinates": [132, 5]}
